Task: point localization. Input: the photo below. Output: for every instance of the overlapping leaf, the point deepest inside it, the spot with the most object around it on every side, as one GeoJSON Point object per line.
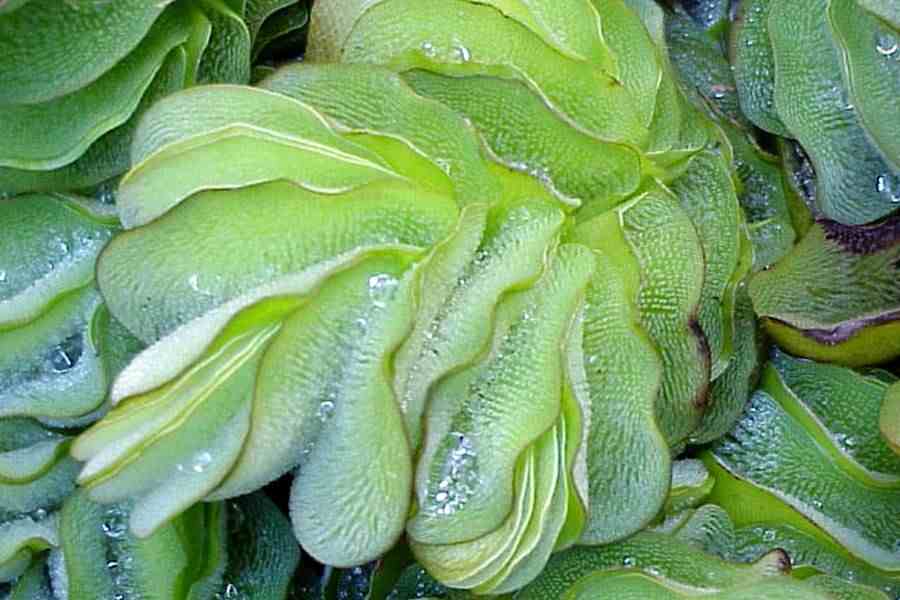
{"type": "Point", "coordinates": [835, 296]}
{"type": "Point", "coordinates": [77, 76]}
{"type": "Point", "coordinates": [819, 420]}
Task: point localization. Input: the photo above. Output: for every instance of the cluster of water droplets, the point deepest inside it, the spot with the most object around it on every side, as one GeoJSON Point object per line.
{"type": "Point", "coordinates": [199, 463]}
{"type": "Point", "coordinates": [59, 576]}
{"type": "Point", "coordinates": [355, 583]}
{"type": "Point", "coordinates": [382, 289]}
{"type": "Point", "coordinates": [119, 562]}
{"type": "Point", "coordinates": [707, 12]}
{"type": "Point", "coordinates": [762, 73]}
{"type": "Point", "coordinates": [802, 172]}
{"type": "Point", "coordinates": [460, 477]}
{"type": "Point", "coordinates": [457, 52]}
{"type": "Point", "coordinates": [425, 587]}
{"type": "Point", "coordinates": [741, 446]}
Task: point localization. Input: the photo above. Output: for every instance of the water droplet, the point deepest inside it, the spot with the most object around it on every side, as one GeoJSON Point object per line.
{"type": "Point", "coordinates": [629, 561]}
{"type": "Point", "coordinates": [769, 535]}
{"type": "Point", "coordinates": [444, 165]}
{"type": "Point", "coordinates": [2, 276]}
{"type": "Point", "coordinates": [888, 186]}
{"type": "Point", "coordinates": [362, 324]}
{"type": "Point", "coordinates": [428, 49]}
{"type": "Point", "coordinates": [463, 53]}
{"type": "Point", "coordinates": [382, 289]}
{"type": "Point", "coordinates": [194, 282]}
{"type": "Point", "coordinates": [201, 461]}
{"type": "Point", "coordinates": [65, 355]}
{"type": "Point", "coordinates": [231, 591]}
{"type": "Point", "coordinates": [106, 194]}
{"type": "Point", "coordinates": [114, 529]}
{"type": "Point", "coordinates": [887, 46]}
{"type": "Point", "coordinates": [326, 409]}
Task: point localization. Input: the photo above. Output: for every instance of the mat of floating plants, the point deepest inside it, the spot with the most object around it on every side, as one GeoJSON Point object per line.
{"type": "Point", "coordinates": [449, 299]}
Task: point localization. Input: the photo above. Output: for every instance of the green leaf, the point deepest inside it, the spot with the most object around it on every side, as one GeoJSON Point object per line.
{"type": "Point", "coordinates": [627, 455]}
{"type": "Point", "coordinates": [262, 554]}
{"type": "Point", "coordinates": [524, 135]}
{"type": "Point", "coordinates": [730, 391]}
{"type": "Point", "coordinates": [67, 46]}
{"type": "Point", "coordinates": [349, 415]}
{"type": "Point", "coordinates": [176, 126]}
{"type": "Point", "coordinates": [45, 135]}
{"type": "Point", "coordinates": [885, 9]}
{"type": "Point", "coordinates": [187, 433]}
{"type": "Point", "coordinates": [407, 34]}
{"type": "Point", "coordinates": [754, 66]}
{"type": "Point", "coordinates": [468, 461]}
{"type": "Point", "coordinates": [477, 562]}
{"type": "Point", "coordinates": [691, 484]}
{"type": "Point", "coordinates": [624, 584]}
{"type": "Point", "coordinates": [284, 28]}
{"type": "Point", "coordinates": [367, 99]}
{"type": "Point", "coordinates": [51, 366]}
{"type": "Point", "coordinates": [870, 50]}
{"type": "Point", "coordinates": [102, 559]}
{"type": "Point", "coordinates": [855, 184]}
{"type": "Point", "coordinates": [890, 418]}
{"type": "Point", "coordinates": [33, 585]}
{"type": "Point", "coordinates": [846, 404]}
{"type": "Point", "coordinates": [108, 156]}
{"type": "Point", "coordinates": [770, 445]}
{"type": "Point", "coordinates": [809, 553]}
{"type": "Point", "coordinates": [654, 554]}
{"type": "Point", "coordinates": [707, 194]}
{"type": "Point", "coordinates": [844, 590]}
{"type": "Point", "coordinates": [330, 25]}
{"type": "Point", "coordinates": [574, 31]}
{"type": "Point", "coordinates": [7, 6]}
{"type": "Point", "coordinates": [460, 286]}
{"type": "Point", "coordinates": [765, 198]}
{"type": "Point", "coordinates": [52, 251]}
{"type": "Point", "coordinates": [652, 240]}
{"type": "Point", "coordinates": [227, 55]}
{"type": "Point", "coordinates": [636, 67]}
{"type": "Point", "coordinates": [702, 65]}
{"type": "Point", "coordinates": [258, 11]}
{"type": "Point", "coordinates": [165, 273]}
{"type": "Point", "coordinates": [238, 156]}
{"type": "Point", "coordinates": [836, 296]}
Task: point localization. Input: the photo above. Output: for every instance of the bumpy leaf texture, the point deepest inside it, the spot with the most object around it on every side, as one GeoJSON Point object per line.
{"type": "Point", "coordinates": [474, 274]}
{"type": "Point", "coordinates": [490, 272]}
{"type": "Point", "coordinates": [77, 75]}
